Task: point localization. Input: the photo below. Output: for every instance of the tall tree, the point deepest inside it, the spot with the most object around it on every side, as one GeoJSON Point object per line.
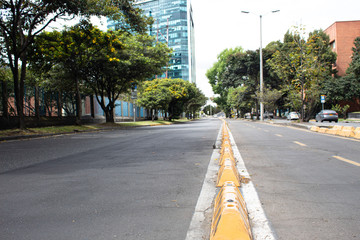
{"type": "Point", "coordinates": [304, 63]}
{"type": "Point", "coordinates": [22, 20]}
{"type": "Point", "coordinates": [174, 96]}
{"type": "Point", "coordinates": [119, 62]}
{"type": "Point", "coordinates": [215, 76]}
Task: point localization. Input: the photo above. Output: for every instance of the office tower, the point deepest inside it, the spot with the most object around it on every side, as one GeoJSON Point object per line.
{"type": "Point", "coordinates": [174, 25]}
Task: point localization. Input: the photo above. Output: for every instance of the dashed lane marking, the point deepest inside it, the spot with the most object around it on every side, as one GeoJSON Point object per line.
{"type": "Point", "coordinates": [347, 160]}
{"type": "Point", "coordinates": [301, 144]}
{"type": "Point", "coordinates": [278, 135]}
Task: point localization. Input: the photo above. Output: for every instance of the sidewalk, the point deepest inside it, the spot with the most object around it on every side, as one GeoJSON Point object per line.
{"type": "Point", "coordinates": [308, 125]}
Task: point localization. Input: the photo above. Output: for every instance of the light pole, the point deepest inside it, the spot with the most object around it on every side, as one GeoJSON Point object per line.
{"type": "Point", "coordinates": [261, 67]}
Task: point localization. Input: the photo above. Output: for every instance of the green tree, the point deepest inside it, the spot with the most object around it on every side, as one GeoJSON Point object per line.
{"type": "Point", "coordinates": [347, 87]}
{"type": "Point", "coordinates": [304, 63]}
{"type": "Point", "coordinates": [121, 61]}
{"type": "Point", "coordinates": [154, 95]}
{"type": "Point", "coordinates": [270, 98]}
{"type": "Point", "coordinates": [240, 99]}
{"type": "Point", "coordinates": [195, 101]}
{"type": "Point", "coordinates": [5, 79]}
{"type": "Point", "coordinates": [215, 76]}
{"type": "Point", "coordinates": [22, 20]}
{"type": "Point", "coordinates": [174, 96]}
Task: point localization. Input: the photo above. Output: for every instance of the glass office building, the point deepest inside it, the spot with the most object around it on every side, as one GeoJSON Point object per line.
{"type": "Point", "coordinates": [173, 23]}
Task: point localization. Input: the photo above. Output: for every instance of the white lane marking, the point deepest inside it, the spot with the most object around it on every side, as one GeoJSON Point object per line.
{"type": "Point", "coordinates": [347, 160]}
{"type": "Point", "coordinates": [299, 143]}
{"type": "Point", "coordinates": [260, 225]}
{"type": "Point", "coordinates": [278, 135]}
{"type": "Point", "coordinates": [201, 221]}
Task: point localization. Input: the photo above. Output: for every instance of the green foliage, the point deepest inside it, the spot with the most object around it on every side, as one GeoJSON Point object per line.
{"type": "Point", "coordinates": [209, 109]}
{"type": "Point", "coordinates": [304, 64]}
{"type": "Point", "coordinates": [341, 110]}
{"type": "Point", "coordinates": [172, 95]}
{"type": "Point", "coordinates": [347, 87]}
{"type": "Point", "coordinates": [238, 98]}
{"type": "Point", "coordinates": [270, 97]}
{"type": "Point", "coordinates": [215, 76]}
{"type": "Point", "coordinates": [22, 20]}
{"type": "Point", "coordinates": [84, 59]}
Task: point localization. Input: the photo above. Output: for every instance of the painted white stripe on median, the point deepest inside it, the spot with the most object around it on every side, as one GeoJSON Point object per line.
{"type": "Point", "coordinates": [260, 225]}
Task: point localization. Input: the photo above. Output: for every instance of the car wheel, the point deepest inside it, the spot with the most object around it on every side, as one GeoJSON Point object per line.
{"type": "Point", "coordinates": [322, 121]}
{"type": "Point", "coordinates": [336, 121]}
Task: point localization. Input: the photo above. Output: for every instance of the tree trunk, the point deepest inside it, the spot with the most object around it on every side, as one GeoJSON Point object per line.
{"type": "Point", "coordinates": [78, 103]}
{"type": "Point", "coordinates": [109, 115]}
{"type": "Point", "coordinates": [37, 102]}
{"type": "Point", "coordinates": [4, 99]}
{"type": "Point", "coordinates": [59, 104]}
{"type": "Point", "coordinates": [92, 106]}
{"type": "Point", "coordinates": [302, 103]}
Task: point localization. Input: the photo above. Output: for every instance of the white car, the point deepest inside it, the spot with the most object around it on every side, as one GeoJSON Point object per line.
{"type": "Point", "coordinates": [293, 116]}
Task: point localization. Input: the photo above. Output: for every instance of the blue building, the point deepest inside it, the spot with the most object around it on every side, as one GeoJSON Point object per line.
{"type": "Point", "coordinates": [173, 24]}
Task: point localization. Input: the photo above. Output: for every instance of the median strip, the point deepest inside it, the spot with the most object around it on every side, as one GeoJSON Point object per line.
{"type": "Point", "coordinates": [234, 212]}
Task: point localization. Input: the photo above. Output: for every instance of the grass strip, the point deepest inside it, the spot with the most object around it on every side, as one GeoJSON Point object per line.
{"type": "Point", "coordinates": [81, 128]}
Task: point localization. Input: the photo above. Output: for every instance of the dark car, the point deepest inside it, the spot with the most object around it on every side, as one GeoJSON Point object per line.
{"type": "Point", "coordinates": [327, 115]}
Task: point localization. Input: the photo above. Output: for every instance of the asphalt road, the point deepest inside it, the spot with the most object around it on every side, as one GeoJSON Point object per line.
{"type": "Point", "coordinates": [308, 183]}
{"type": "Point", "coordinates": [132, 184]}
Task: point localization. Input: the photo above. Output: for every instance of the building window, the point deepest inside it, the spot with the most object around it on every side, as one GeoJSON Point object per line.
{"type": "Point", "coordinates": [333, 45]}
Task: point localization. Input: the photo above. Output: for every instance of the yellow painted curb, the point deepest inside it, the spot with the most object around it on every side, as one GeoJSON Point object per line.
{"type": "Point", "coordinates": [335, 130]}
{"type": "Point", "coordinates": [226, 155]}
{"type": "Point", "coordinates": [228, 172]}
{"type": "Point", "coordinates": [347, 132]}
{"type": "Point", "coordinates": [230, 220]}
{"type": "Point", "coordinates": [357, 133]}
{"type": "Point", "coordinates": [322, 130]}
{"type": "Point", "coordinates": [314, 128]}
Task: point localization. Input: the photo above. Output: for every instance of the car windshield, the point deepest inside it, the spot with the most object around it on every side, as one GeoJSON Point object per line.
{"type": "Point", "coordinates": [329, 111]}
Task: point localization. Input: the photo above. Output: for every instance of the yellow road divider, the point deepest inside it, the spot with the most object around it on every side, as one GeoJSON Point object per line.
{"type": "Point", "coordinates": [344, 131]}
{"type": "Point", "coordinates": [348, 131]}
{"type": "Point", "coordinates": [314, 128]}
{"type": "Point", "coordinates": [228, 172]}
{"type": "Point", "coordinates": [230, 219]}
{"type": "Point", "coordinates": [227, 155]}
{"type": "Point", "coordinates": [335, 130]}
{"type": "Point", "coordinates": [322, 130]}
{"type": "Point", "coordinates": [357, 133]}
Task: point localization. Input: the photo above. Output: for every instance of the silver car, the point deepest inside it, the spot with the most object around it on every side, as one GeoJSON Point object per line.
{"type": "Point", "coordinates": [327, 115]}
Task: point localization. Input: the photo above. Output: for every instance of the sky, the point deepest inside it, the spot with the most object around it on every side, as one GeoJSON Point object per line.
{"type": "Point", "coordinates": [220, 25]}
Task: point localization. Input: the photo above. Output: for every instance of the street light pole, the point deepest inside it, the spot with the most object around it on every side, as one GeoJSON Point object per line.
{"type": "Point", "coordinates": [261, 75]}
{"type": "Point", "coordinates": [261, 68]}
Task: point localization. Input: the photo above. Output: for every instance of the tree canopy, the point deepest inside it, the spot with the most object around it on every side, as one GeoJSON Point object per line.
{"type": "Point", "coordinates": [173, 96]}
{"type": "Point", "coordinates": [22, 20]}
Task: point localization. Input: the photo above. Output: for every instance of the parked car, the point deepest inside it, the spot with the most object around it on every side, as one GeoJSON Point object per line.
{"type": "Point", "coordinates": [247, 116]}
{"type": "Point", "coordinates": [293, 116]}
{"type": "Point", "coordinates": [268, 115]}
{"type": "Point", "coordinates": [327, 115]}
